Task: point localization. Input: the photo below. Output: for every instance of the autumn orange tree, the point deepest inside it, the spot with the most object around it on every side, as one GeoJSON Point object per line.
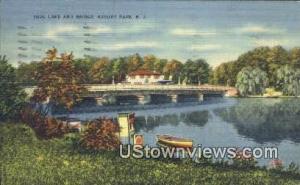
{"type": "Point", "coordinates": [101, 135]}
{"type": "Point", "coordinates": [101, 71]}
{"type": "Point", "coordinates": [58, 82]}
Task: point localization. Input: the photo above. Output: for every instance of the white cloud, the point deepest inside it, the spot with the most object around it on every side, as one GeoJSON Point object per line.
{"type": "Point", "coordinates": [258, 29]}
{"type": "Point", "coordinates": [191, 32]}
{"type": "Point", "coordinates": [124, 28]}
{"type": "Point", "coordinates": [270, 42]}
{"type": "Point", "coordinates": [135, 27]}
{"type": "Point", "coordinates": [205, 47]}
{"type": "Point", "coordinates": [130, 45]}
{"type": "Point", "coordinates": [54, 32]}
{"type": "Point", "coordinates": [100, 29]}
{"type": "Point", "coordinates": [57, 32]}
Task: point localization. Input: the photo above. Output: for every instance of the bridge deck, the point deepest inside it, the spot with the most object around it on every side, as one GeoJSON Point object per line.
{"type": "Point", "coordinates": [125, 89]}
{"type": "Point", "coordinates": [121, 87]}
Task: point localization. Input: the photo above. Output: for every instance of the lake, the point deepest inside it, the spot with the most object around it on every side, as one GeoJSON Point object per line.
{"type": "Point", "coordinates": [225, 122]}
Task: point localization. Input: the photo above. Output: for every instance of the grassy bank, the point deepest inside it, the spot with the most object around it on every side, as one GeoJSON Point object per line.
{"type": "Point", "coordinates": [26, 160]}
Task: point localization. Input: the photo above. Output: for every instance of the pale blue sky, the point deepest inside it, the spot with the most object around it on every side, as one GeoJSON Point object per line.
{"type": "Point", "coordinates": [216, 31]}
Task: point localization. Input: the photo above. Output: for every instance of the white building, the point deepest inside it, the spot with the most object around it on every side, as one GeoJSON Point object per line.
{"type": "Point", "coordinates": [144, 77]}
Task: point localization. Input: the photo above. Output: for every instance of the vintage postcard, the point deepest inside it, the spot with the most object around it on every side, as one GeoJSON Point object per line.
{"type": "Point", "coordinates": [149, 92]}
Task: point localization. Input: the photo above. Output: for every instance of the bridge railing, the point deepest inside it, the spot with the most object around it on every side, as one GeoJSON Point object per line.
{"type": "Point", "coordinates": [129, 87]}
{"type": "Point", "coordinates": [125, 87]}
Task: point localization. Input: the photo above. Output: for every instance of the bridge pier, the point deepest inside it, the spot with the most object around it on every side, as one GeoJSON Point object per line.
{"type": "Point", "coordinates": [200, 97]}
{"type": "Point", "coordinates": [174, 98]}
{"type": "Point", "coordinates": [144, 99]}
{"type": "Point", "coordinates": [100, 100]}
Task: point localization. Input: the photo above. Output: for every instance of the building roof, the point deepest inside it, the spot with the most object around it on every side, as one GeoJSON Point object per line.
{"type": "Point", "coordinates": [143, 72]}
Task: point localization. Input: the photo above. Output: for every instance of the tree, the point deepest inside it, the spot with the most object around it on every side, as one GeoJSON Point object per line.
{"type": "Point", "coordinates": [101, 71]}
{"type": "Point", "coordinates": [251, 81]}
{"type": "Point", "coordinates": [288, 80]}
{"type": "Point", "coordinates": [225, 74]}
{"type": "Point", "coordinates": [254, 58]}
{"type": "Point", "coordinates": [277, 57]}
{"type": "Point", "coordinates": [12, 98]}
{"type": "Point", "coordinates": [159, 65]}
{"type": "Point", "coordinates": [25, 71]}
{"type": "Point", "coordinates": [58, 82]}
{"type": "Point", "coordinates": [134, 62]}
{"type": "Point", "coordinates": [84, 65]}
{"type": "Point", "coordinates": [149, 61]}
{"type": "Point", "coordinates": [173, 69]}
{"type": "Point", "coordinates": [119, 69]}
{"type": "Point", "coordinates": [294, 57]}
{"type": "Point", "coordinates": [196, 71]}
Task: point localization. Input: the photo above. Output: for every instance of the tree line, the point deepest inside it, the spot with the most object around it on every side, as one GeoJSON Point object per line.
{"type": "Point", "coordinates": [259, 68]}
{"type": "Point", "coordinates": [251, 72]}
{"type": "Point", "coordinates": [104, 70]}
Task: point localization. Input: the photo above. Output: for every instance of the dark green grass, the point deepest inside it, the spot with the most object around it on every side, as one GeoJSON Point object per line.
{"type": "Point", "coordinates": [28, 160]}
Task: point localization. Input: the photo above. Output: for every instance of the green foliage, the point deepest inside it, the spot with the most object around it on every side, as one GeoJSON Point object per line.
{"type": "Point", "coordinates": [288, 80]}
{"type": "Point", "coordinates": [149, 61]}
{"type": "Point", "coordinates": [294, 57]}
{"type": "Point", "coordinates": [134, 62]}
{"type": "Point", "coordinates": [27, 160]}
{"type": "Point", "coordinates": [172, 70]}
{"type": "Point", "coordinates": [103, 70]}
{"type": "Point", "coordinates": [84, 65]}
{"type": "Point", "coordinates": [196, 71]}
{"type": "Point", "coordinates": [119, 69]}
{"type": "Point", "coordinates": [12, 98]}
{"type": "Point", "coordinates": [225, 74]}
{"type": "Point", "coordinates": [277, 58]}
{"type": "Point", "coordinates": [251, 81]}
{"type": "Point", "coordinates": [25, 73]}
{"type": "Point", "coordinates": [160, 64]}
{"type": "Point", "coordinates": [266, 58]}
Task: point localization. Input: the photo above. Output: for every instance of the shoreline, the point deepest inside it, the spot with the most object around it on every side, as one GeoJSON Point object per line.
{"type": "Point", "coordinates": [257, 96]}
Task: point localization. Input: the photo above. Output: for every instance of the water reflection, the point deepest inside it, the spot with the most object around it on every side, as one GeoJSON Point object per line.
{"type": "Point", "coordinates": [265, 120]}
{"type": "Point", "coordinates": [148, 123]}
{"type": "Point", "coordinates": [223, 122]}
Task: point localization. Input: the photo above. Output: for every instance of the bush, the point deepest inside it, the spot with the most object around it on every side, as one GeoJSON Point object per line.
{"type": "Point", "coordinates": [101, 135]}
{"type": "Point", "coordinates": [27, 160]}
{"type": "Point", "coordinates": [45, 127]}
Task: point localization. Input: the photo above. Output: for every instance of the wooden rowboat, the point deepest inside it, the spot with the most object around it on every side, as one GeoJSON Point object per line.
{"type": "Point", "coordinates": [175, 141]}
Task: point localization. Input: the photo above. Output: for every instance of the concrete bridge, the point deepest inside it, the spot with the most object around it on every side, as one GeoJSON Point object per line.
{"type": "Point", "coordinates": [144, 94]}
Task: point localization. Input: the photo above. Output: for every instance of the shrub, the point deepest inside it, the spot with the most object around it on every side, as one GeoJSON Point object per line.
{"type": "Point", "coordinates": [45, 127]}
{"type": "Point", "coordinates": [241, 161]}
{"type": "Point", "coordinates": [101, 135]}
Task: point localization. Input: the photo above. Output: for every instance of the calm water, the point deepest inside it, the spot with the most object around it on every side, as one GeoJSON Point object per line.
{"type": "Point", "coordinates": [226, 122]}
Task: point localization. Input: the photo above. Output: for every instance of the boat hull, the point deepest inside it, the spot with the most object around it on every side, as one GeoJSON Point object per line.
{"type": "Point", "coordinates": [175, 141]}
